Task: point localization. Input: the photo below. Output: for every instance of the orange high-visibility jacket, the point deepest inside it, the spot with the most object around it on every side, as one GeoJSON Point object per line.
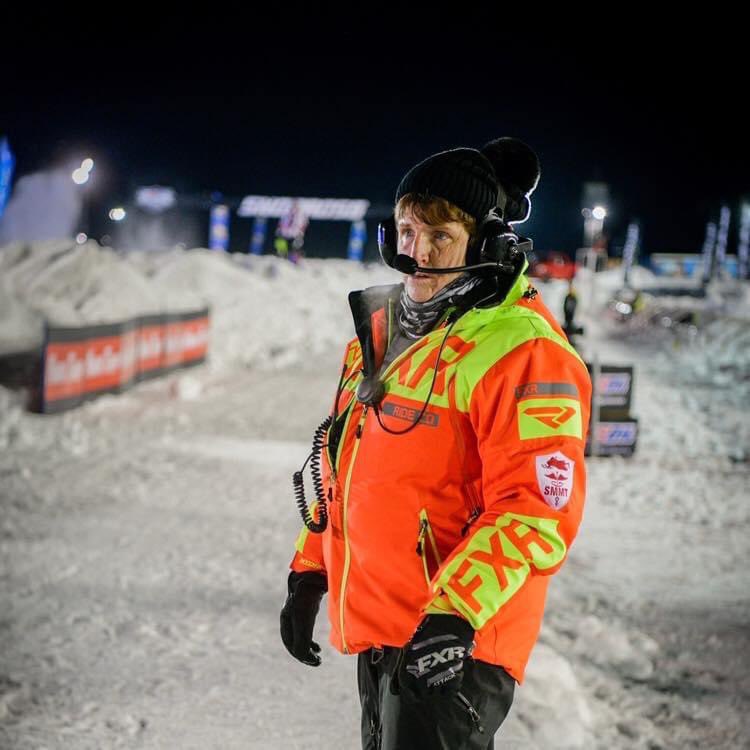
{"type": "Point", "coordinates": [472, 510]}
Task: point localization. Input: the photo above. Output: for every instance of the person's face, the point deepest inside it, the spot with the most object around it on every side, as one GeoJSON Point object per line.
{"type": "Point", "coordinates": [432, 246]}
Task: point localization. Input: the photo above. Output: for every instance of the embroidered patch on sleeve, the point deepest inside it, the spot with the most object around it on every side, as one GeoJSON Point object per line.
{"type": "Point", "coordinates": [549, 417]}
{"type": "Point", "coordinates": [554, 475]}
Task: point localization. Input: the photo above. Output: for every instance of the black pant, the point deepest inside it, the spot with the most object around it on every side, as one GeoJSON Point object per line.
{"type": "Point", "coordinates": [395, 720]}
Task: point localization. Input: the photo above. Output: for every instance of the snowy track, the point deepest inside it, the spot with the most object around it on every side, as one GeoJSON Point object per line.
{"type": "Point", "coordinates": [144, 541]}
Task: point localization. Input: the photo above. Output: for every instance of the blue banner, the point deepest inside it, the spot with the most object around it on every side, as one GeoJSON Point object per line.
{"type": "Point", "coordinates": [258, 237]}
{"type": "Point", "coordinates": [219, 229]}
{"type": "Point", "coordinates": [357, 239]}
{"type": "Point", "coordinates": [7, 163]}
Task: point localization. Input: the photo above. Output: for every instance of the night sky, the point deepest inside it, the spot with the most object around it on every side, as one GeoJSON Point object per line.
{"type": "Point", "coordinates": [345, 113]}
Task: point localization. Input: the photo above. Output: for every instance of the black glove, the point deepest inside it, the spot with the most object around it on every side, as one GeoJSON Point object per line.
{"type": "Point", "coordinates": [434, 658]}
{"type": "Point", "coordinates": [298, 615]}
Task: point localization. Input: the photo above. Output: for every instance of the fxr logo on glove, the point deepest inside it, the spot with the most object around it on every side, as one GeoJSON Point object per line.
{"type": "Point", "coordinates": [434, 658]}
{"type": "Point", "coordinates": [426, 663]}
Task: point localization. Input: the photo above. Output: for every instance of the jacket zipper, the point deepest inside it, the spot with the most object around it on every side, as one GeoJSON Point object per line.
{"type": "Point", "coordinates": [347, 553]}
{"type": "Point", "coordinates": [426, 535]}
{"type": "Point", "coordinates": [475, 513]}
{"type": "Point", "coordinates": [475, 717]}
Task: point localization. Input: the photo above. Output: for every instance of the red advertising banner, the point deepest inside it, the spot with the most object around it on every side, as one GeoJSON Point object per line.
{"type": "Point", "coordinates": [80, 363]}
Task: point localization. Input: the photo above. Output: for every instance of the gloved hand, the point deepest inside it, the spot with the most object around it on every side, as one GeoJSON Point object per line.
{"type": "Point", "coordinates": [434, 658]}
{"type": "Point", "coordinates": [299, 613]}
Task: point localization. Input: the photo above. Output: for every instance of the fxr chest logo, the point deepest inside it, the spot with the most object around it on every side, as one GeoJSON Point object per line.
{"type": "Point", "coordinates": [554, 475]}
{"type": "Point", "coordinates": [540, 414]}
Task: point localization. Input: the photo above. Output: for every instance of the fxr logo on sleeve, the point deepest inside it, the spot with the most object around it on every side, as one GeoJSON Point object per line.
{"type": "Point", "coordinates": [549, 417]}
{"type": "Point", "coordinates": [554, 475]}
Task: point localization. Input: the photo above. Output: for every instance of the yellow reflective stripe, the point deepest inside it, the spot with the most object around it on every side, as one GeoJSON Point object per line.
{"type": "Point", "coordinates": [342, 435]}
{"type": "Point", "coordinates": [299, 545]}
{"type": "Point", "coordinates": [426, 533]}
{"type": "Point", "coordinates": [347, 552]}
{"type": "Point", "coordinates": [546, 534]}
{"type": "Point", "coordinates": [431, 535]}
{"type": "Point", "coordinates": [424, 567]}
{"type": "Point", "coordinates": [496, 562]}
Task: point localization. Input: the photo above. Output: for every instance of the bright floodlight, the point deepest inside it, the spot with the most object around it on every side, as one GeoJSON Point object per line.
{"type": "Point", "coordinates": [80, 176]}
{"type": "Point", "coordinates": [599, 212]}
{"type": "Point", "coordinates": [117, 214]}
{"type": "Point", "coordinates": [87, 165]}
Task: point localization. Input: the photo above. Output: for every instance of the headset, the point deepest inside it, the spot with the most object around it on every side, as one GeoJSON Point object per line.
{"type": "Point", "coordinates": [495, 252]}
{"type": "Point", "coordinates": [495, 248]}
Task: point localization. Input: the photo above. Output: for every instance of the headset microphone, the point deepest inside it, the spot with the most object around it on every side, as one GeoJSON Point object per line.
{"type": "Point", "coordinates": [406, 264]}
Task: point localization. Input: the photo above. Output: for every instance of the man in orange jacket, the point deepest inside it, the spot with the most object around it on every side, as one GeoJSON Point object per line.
{"type": "Point", "coordinates": [453, 471]}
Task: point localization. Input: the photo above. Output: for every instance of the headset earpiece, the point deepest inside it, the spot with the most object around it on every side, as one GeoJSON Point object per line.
{"type": "Point", "coordinates": [495, 242]}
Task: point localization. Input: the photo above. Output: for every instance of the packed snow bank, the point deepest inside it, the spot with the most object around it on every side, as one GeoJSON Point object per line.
{"type": "Point", "coordinates": [265, 311]}
{"type": "Point", "coordinates": [66, 284]}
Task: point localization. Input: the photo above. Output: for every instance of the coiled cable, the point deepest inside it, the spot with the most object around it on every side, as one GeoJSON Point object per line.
{"type": "Point", "coordinates": [319, 526]}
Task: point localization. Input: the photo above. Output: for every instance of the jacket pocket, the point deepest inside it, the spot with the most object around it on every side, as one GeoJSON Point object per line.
{"type": "Point", "coordinates": [427, 547]}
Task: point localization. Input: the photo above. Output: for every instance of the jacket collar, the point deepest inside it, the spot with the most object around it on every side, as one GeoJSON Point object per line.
{"type": "Point", "coordinates": [373, 312]}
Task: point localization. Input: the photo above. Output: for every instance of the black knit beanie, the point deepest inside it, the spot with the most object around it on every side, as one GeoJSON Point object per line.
{"type": "Point", "coordinates": [462, 176]}
{"type": "Point", "coordinates": [503, 174]}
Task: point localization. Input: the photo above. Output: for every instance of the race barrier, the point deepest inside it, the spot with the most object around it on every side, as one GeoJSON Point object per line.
{"type": "Point", "coordinates": [82, 363]}
{"type": "Point", "coordinates": [616, 431]}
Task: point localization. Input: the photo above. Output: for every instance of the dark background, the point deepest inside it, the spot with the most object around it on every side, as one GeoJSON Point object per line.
{"type": "Point", "coordinates": [326, 108]}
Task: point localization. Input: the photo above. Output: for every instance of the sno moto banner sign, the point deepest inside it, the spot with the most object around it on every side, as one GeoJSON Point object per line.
{"type": "Point", "coordinates": [81, 363]}
{"type": "Point", "coordinates": [616, 430]}
{"type": "Point", "coordinates": [614, 385]}
{"type": "Point", "coordinates": [615, 437]}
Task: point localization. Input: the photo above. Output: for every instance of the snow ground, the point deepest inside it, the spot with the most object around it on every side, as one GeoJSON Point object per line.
{"type": "Point", "coordinates": [144, 538]}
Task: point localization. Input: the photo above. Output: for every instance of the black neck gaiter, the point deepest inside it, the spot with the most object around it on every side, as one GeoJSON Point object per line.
{"type": "Point", "coordinates": [416, 319]}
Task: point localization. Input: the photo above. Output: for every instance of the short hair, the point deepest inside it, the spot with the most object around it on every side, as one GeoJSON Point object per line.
{"type": "Point", "coordinates": [434, 211]}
